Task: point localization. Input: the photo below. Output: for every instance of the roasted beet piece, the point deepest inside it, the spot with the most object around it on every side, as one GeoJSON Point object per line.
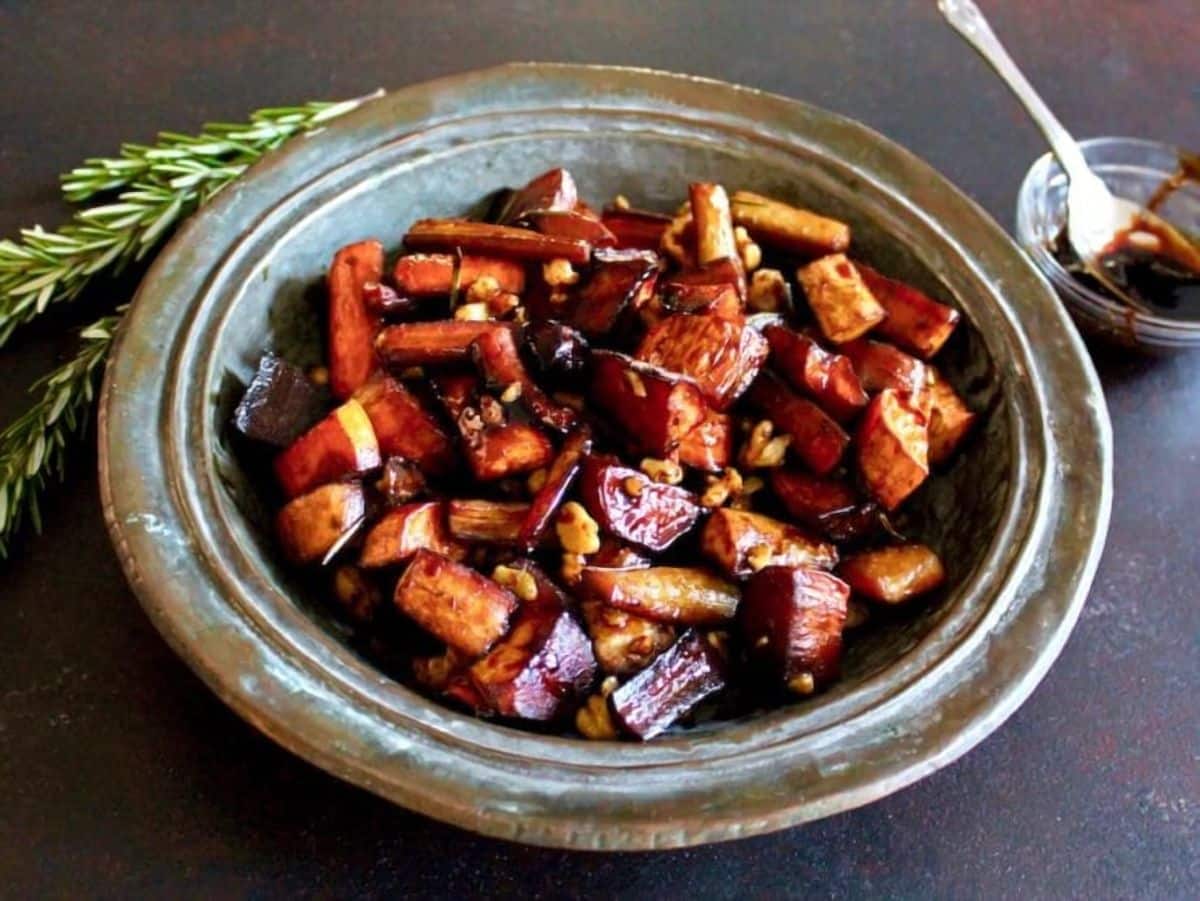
{"type": "Point", "coordinates": [405, 530]}
{"type": "Point", "coordinates": [636, 229]}
{"type": "Point", "coordinates": [893, 575]}
{"type": "Point", "coordinates": [553, 190]}
{"type": "Point", "coordinates": [559, 478]}
{"type": "Point", "coordinates": [654, 408]}
{"type": "Point", "coordinates": [914, 321]}
{"type": "Point", "coordinates": [709, 444]}
{"type": "Point", "coordinates": [495, 448]}
{"type": "Point", "coordinates": [882, 366]}
{"type": "Point", "coordinates": [540, 669]}
{"type": "Point", "coordinates": [430, 343]}
{"type": "Point", "coordinates": [619, 280]}
{"type": "Point", "coordinates": [352, 327]}
{"type": "Point", "coordinates": [827, 378]}
{"type": "Point", "coordinates": [893, 449]}
{"type": "Point", "coordinates": [280, 404]}
{"type": "Point", "coordinates": [559, 351]}
{"type": "Point", "coordinates": [310, 526]}
{"type": "Point", "coordinates": [466, 610]}
{"type": "Point", "coordinates": [490, 522]}
{"type": "Point", "coordinates": [816, 438]}
{"type": "Point", "coordinates": [631, 506]}
{"type": "Point", "coordinates": [950, 419]}
{"type": "Point", "coordinates": [624, 642]}
{"type": "Point", "coordinates": [499, 363]}
{"type": "Point", "coordinates": [404, 427]}
{"type": "Point", "coordinates": [672, 594]}
{"type": "Point", "coordinates": [841, 301]}
{"type": "Point", "coordinates": [721, 356]}
{"type": "Point", "coordinates": [571, 224]}
{"type": "Point", "coordinates": [670, 687]}
{"type": "Point", "coordinates": [792, 619]}
{"type": "Point", "coordinates": [401, 482]}
{"type": "Point", "coordinates": [341, 444]}
{"type": "Point", "coordinates": [787, 227]}
{"type": "Point", "coordinates": [493, 240]}
{"type": "Point", "coordinates": [740, 543]}
{"type": "Point", "coordinates": [832, 508]}
{"type": "Point", "coordinates": [432, 274]}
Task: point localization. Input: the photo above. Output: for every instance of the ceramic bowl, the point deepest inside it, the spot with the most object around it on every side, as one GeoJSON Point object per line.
{"type": "Point", "coordinates": [1020, 517]}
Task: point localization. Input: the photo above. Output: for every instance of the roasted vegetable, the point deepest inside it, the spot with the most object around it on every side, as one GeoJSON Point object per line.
{"type": "Point", "coordinates": [559, 479]}
{"type": "Point", "coordinates": [709, 444]}
{"type": "Point", "coordinates": [352, 327]}
{"type": "Point", "coordinates": [487, 521]}
{"type": "Point", "coordinates": [830, 507]}
{"type": "Point", "coordinates": [893, 574]}
{"type": "Point", "coordinates": [720, 355]}
{"type": "Point", "coordinates": [401, 482]}
{"type": "Point", "coordinates": [618, 555]}
{"type": "Point", "coordinates": [499, 362]}
{"type": "Point", "coordinates": [540, 669]}
{"type": "Point", "coordinates": [405, 530]}
{"type": "Point", "coordinates": [816, 438]}
{"type": "Point", "coordinates": [571, 224]}
{"type": "Point", "coordinates": [624, 642]}
{"type": "Point", "coordinates": [671, 594]}
{"type": "Point", "coordinates": [466, 610]}
{"type": "Point", "coordinates": [498, 240]}
{"type": "Point", "coordinates": [792, 620]}
{"type": "Point", "coordinates": [432, 274]}
{"type": "Point", "coordinates": [839, 298]}
{"type": "Point", "coordinates": [280, 405]}
{"type": "Point", "coordinates": [914, 321]}
{"type": "Point", "coordinates": [893, 449]}
{"type": "Point", "coordinates": [655, 408]}
{"type": "Point", "coordinates": [495, 448]}
{"type": "Point", "coordinates": [560, 351]}
{"type": "Point", "coordinates": [341, 444]}
{"type": "Point", "coordinates": [621, 279]}
{"type": "Point", "coordinates": [828, 378]}
{"type": "Point", "coordinates": [670, 687]}
{"type": "Point", "coordinates": [551, 191]}
{"type": "Point", "coordinates": [950, 419]}
{"type": "Point", "coordinates": [404, 427]}
{"type": "Point", "coordinates": [631, 506]}
{"type": "Point", "coordinates": [312, 525]}
{"type": "Point", "coordinates": [636, 229]}
{"type": "Point", "coordinates": [741, 543]}
{"type": "Point", "coordinates": [882, 366]}
{"type": "Point", "coordinates": [430, 343]}
{"type": "Point", "coordinates": [787, 227]}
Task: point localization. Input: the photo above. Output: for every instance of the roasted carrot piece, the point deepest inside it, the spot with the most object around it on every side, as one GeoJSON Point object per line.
{"type": "Point", "coordinates": [493, 240]}
{"type": "Point", "coordinates": [431, 343]}
{"type": "Point", "coordinates": [404, 427]}
{"type": "Point", "coordinates": [352, 328]}
{"type": "Point", "coordinates": [740, 542]}
{"type": "Point", "coordinates": [816, 439]}
{"type": "Point", "coordinates": [432, 274]}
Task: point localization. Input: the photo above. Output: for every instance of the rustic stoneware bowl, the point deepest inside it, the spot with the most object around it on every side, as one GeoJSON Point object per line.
{"type": "Point", "coordinates": [1020, 518]}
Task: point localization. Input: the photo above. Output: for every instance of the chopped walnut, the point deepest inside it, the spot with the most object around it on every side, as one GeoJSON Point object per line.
{"type": "Point", "coordinates": [577, 531]}
{"type": "Point", "coordinates": [483, 289]}
{"type": "Point", "coordinates": [759, 556]}
{"type": "Point", "coordinates": [668, 472]}
{"type": "Point", "coordinates": [536, 480]}
{"type": "Point", "coordinates": [620, 202]}
{"type": "Point", "coordinates": [803, 684]}
{"type": "Point", "coordinates": [761, 450]}
{"type": "Point", "coordinates": [511, 393]}
{"type": "Point", "coordinates": [750, 253]}
{"type": "Point", "coordinates": [632, 486]}
{"type": "Point", "coordinates": [721, 488]}
{"type": "Point", "coordinates": [572, 568]}
{"type": "Point", "coordinates": [519, 581]}
{"type": "Point", "coordinates": [594, 720]}
{"type": "Point", "coordinates": [768, 292]}
{"type": "Point", "coordinates": [744, 499]}
{"type": "Point", "coordinates": [559, 273]}
{"type": "Point", "coordinates": [319, 375]}
{"type": "Point", "coordinates": [473, 312]}
{"type": "Point", "coordinates": [636, 385]}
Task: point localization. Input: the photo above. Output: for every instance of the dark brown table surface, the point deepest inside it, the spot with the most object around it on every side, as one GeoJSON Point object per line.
{"type": "Point", "coordinates": [121, 775]}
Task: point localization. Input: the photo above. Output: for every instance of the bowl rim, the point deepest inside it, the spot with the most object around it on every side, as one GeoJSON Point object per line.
{"type": "Point", "coordinates": [155, 552]}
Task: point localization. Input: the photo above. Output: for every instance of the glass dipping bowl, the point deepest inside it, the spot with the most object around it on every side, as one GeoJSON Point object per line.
{"type": "Point", "coordinates": [1133, 169]}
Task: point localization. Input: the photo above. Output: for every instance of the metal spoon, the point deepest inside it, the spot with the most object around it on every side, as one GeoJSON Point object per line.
{"type": "Point", "coordinates": [1094, 215]}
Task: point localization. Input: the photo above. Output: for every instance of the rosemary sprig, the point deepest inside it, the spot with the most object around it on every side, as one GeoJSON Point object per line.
{"type": "Point", "coordinates": [159, 186]}
{"type": "Point", "coordinates": [34, 447]}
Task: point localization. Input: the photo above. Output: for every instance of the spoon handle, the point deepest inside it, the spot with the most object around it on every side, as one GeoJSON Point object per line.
{"type": "Point", "coordinates": [964, 16]}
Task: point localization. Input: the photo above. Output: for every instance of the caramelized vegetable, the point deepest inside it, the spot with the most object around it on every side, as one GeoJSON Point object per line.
{"type": "Point", "coordinates": [950, 419]}
{"type": "Point", "coordinates": [787, 227]}
{"type": "Point", "coordinates": [714, 225]}
{"type": "Point", "coordinates": [839, 298]}
{"type": "Point", "coordinates": [882, 366]}
{"type": "Point", "coordinates": [828, 378]}
{"type": "Point", "coordinates": [352, 328]}
{"type": "Point", "coordinates": [495, 448]}
{"type": "Point", "coordinates": [632, 507]}
{"type": "Point", "coordinates": [551, 191]}
{"type": "Point", "coordinates": [499, 362]}
{"type": "Point", "coordinates": [559, 479]}
{"type": "Point", "coordinates": [624, 642]}
{"type": "Point", "coordinates": [310, 526]}
{"type": "Point", "coordinates": [458, 605]}
{"type": "Point", "coordinates": [670, 688]}
{"type": "Point", "coordinates": [740, 543]}
{"type": "Point", "coordinates": [430, 343]}
{"type": "Point", "coordinates": [893, 574]}
{"type": "Point", "coordinates": [403, 427]}
{"type": "Point", "coordinates": [655, 408]}
{"type": "Point", "coordinates": [280, 404]}
{"type": "Point", "coordinates": [570, 224]}
{"type": "Point", "coordinates": [499, 240]}
{"type": "Point", "coordinates": [490, 522]}
{"type": "Point", "coordinates": [432, 274]}
{"type": "Point", "coordinates": [405, 530]}
{"type": "Point", "coordinates": [636, 229]}
{"type": "Point", "coordinates": [893, 449]}
{"type": "Point", "coordinates": [671, 594]}
{"type": "Point", "coordinates": [914, 321]}
{"type": "Point", "coordinates": [709, 444]}
{"type": "Point", "coordinates": [830, 507]}
{"type": "Point", "coordinates": [721, 356]}
{"type": "Point", "coordinates": [341, 444]}
{"type": "Point", "coordinates": [620, 280]}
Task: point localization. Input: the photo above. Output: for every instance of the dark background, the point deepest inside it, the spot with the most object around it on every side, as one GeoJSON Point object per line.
{"type": "Point", "coordinates": [121, 775]}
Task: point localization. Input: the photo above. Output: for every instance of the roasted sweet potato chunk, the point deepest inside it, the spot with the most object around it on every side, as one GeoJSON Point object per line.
{"type": "Point", "coordinates": [721, 356]}
{"type": "Point", "coordinates": [631, 506]}
{"type": "Point", "coordinates": [882, 366]}
{"type": "Point", "coordinates": [551, 191]}
{"type": "Point", "coordinates": [832, 508]}
{"type": "Point", "coordinates": [404, 427]}
{"type": "Point", "coordinates": [714, 225]}
{"type": "Point", "coordinates": [559, 479]}
{"type": "Point", "coordinates": [280, 405]}
{"type": "Point", "coordinates": [540, 669]}
{"type": "Point", "coordinates": [828, 378]}
{"type": "Point", "coordinates": [792, 620]}
{"type": "Point", "coordinates": [430, 343]}
{"type": "Point", "coordinates": [839, 298]}
{"type": "Point", "coordinates": [572, 224]}
{"type": "Point", "coordinates": [670, 594]}
{"type": "Point", "coordinates": [893, 449]}
{"type": "Point", "coordinates": [654, 408]}
{"type": "Point", "coordinates": [670, 687]}
{"type": "Point", "coordinates": [466, 610]}
{"type": "Point", "coordinates": [950, 419]}
{"type": "Point", "coordinates": [740, 543]}
{"type": "Point", "coordinates": [499, 363]}
{"type": "Point", "coordinates": [893, 575]}
{"type": "Point", "coordinates": [310, 526]}
{"type": "Point", "coordinates": [709, 444]}
{"type": "Point", "coordinates": [352, 328]}
{"type": "Point", "coordinates": [619, 281]}
{"type": "Point", "coordinates": [405, 530]}
{"type": "Point", "coordinates": [624, 642]}
{"type": "Point", "coordinates": [485, 239]}
{"type": "Point", "coordinates": [914, 321]}
{"type": "Point", "coordinates": [487, 521]}
{"type": "Point", "coordinates": [341, 444]}
{"type": "Point", "coordinates": [777, 224]}
{"type": "Point", "coordinates": [636, 229]}
{"type": "Point", "coordinates": [432, 274]}
{"type": "Point", "coordinates": [816, 438]}
{"type": "Point", "coordinates": [495, 448]}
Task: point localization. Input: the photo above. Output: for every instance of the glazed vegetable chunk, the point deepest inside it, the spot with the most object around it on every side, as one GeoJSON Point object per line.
{"type": "Point", "coordinates": [830, 507]}
{"type": "Point", "coordinates": [893, 449]}
{"type": "Point", "coordinates": [816, 438]}
{"type": "Point", "coordinates": [466, 610]}
{"type": "Point", "coordinates": [741, 543]}
{"type": "Point", "coordinates": [950, 419]}
{"type": "Point", "coordinates": [839, 298]}
{"type": "Point", "coordinates": [352, 328]}
{"type": "Point", "coordinates": [559, 351]}
{"type": "Point", "coordinates": [827, 378]}
{"type": "Point", "coordinates": [430, 343]}
{"type": "Point", "coordinates": [893, 575]}
{"type": "Point", "coordinates": [655, 408]}
{"type": "Point", "coordinates": [341, 444]}
{"type": "Point", "coordinates": [709, 444]}
{"type": "Point", "coordinates": [670, 688]}
{"type": "Point", "coordinates": [714, 225]}
{"type": "Point", "coordinates": [787, 227]}
{"type": "Point", "coordinates": [405, 530]}
{"type": "Point", "coordinates": [634, 508]}
{"type": "Point", "coordinates": [499, 362]}
{"type": "Point", "coordinates": [495, 448]}
{"type": "Point", "coordinates": [621, 280]}
{"type": "Point", "coordinates": [486, 521]}
{"type": "Point", "coordinates": [636, 229]}
{"type": "Point", "coordinates": [280, 404]}
{"type": "Point", "coordinates": [792, 620]}
{"type": "Point", "coordinates": [571, 224]}
{"type": "Point", "coordinates": [404, 427]}
{"type": "Point", "coordinates": [485, 239]}
{"type": "Point", "coordinates": [312, 525]}
{"type": "Point", "coordinates": [540, 669]}
{"type": "Point", "coordinates": [723, 357]}
{"type": "Point", "coordinates": [670, 594]}
{"type": "Point", "coordinates": [881, 366]}
{"type": "Point", "coordinates": [624, 642]}
{"type": "Point", "coordinates": [432, 274]}
{"type": "Point", "coordinates": [914, 321]}
{"type": "Point", "coordinates": [559, 479]}
{"type": "Point", "coordinates": [551, 191]}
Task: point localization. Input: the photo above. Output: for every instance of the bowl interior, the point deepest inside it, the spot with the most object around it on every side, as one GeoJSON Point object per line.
{"type": "Point", "coordinates": [277, 305]}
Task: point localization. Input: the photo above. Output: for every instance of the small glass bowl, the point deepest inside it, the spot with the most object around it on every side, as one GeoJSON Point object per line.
{"type": "Point", "coordinates": [1132, 169]}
